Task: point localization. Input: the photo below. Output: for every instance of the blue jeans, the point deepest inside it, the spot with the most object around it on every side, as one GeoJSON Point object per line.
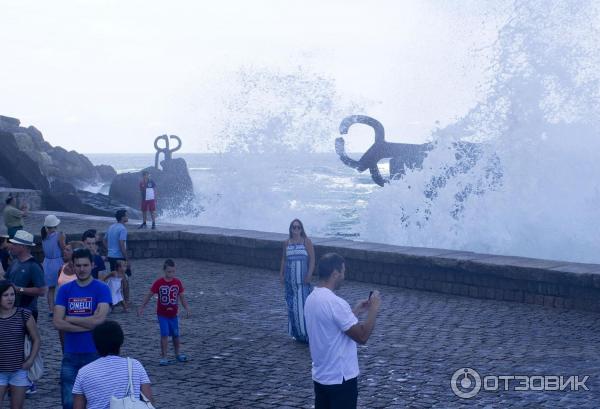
{"type": "Point", "coordinates": [71, 364]}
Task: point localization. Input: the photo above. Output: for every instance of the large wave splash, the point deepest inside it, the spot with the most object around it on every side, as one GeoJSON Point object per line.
{"type": "Point", "coordinates": [535, 190]}
{"type": "Point", "coordinates": [269, 121]}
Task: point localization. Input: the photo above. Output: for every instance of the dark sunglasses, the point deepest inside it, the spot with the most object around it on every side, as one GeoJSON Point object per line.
{"type": "Point", "coordinates": [296, 227]}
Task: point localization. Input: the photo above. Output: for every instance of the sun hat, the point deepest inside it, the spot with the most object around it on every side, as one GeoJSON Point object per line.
{"type": "Point", "coordinates": [51, 221]}
{"type": "Point", "coordinates": [23, 238]}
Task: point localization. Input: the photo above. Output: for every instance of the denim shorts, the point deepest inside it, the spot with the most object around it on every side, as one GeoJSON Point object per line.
{"type": "Point", "coordinates": [169, 327]}
{"type": "Point", "coordinates": [16, 378]}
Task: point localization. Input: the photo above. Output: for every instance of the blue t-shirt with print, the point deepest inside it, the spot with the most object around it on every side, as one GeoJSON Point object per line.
{"type": "Point", "coordinates": [81, 302]}
{"type": "Point", "coordinates": [115, 233]}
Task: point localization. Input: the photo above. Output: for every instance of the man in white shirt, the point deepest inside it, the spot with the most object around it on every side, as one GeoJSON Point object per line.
{"type": "Point", "coordinates": [333, 331]}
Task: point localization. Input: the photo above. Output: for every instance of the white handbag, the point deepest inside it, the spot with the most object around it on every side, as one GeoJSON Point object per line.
{"type": "Point", "coordinates": [130, 401]}
{"type": "Point", "coordinates": [37, 369]}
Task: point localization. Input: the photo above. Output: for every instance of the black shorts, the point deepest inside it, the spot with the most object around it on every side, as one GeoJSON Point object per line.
{"type": "Point", "coordinates": [112, 261]}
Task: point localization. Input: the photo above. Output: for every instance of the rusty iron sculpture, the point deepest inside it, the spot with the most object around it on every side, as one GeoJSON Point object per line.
{"type": "Point", "coordinates": [404, 156]}
{"type": "Point", "coordinates": [401, 155]}
{"type": "Point", "coordinates": [167, 151]}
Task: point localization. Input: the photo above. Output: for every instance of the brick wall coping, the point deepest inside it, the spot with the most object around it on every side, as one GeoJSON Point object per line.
{"type": "Point", "coordinates": [522, 279]}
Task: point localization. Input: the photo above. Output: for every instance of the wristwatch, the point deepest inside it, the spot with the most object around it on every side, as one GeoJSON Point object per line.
{"type": "Point", "coordinates": [21, 290]}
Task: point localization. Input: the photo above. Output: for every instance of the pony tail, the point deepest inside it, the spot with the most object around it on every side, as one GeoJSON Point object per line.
{"type": "Point", "coordinates": [44, 233]}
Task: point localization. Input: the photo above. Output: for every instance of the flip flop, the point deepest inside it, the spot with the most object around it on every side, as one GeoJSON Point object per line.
{"type": "Point", "coordinates": [163, 362]}
{"type": "Point", "coordinates": [182, 358]}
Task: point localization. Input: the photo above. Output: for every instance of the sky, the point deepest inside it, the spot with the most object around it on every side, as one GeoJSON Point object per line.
{"type": "Point", "coordinates": [109, 76]}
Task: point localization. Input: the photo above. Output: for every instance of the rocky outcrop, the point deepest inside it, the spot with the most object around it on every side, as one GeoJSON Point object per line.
{"type": "Point", "coordinates": [65, 196]}
{"type": "Point", "coordinates": [29, 162]}
{"type": "Point", "coordinates": [17, 168]}
{"type": "Point", "coordinates": [174, 186]}
{"type": "Point", "coordinates": [55, 163]}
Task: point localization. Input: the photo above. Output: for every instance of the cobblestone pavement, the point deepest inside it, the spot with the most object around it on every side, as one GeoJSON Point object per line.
{"type": "Point", "coordinates": [243, 358]}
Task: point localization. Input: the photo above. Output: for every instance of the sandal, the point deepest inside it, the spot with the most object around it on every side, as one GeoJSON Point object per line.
{"type": "Point", "coordinates": [182, 358]}
{"type": "Point", "coordinates": [163, 362]}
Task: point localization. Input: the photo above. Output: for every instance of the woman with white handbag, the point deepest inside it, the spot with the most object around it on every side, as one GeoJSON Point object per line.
{"type": "Point", "coordinates": [15, 324]}
{"type": "Point", "coordinates": [111, 381]}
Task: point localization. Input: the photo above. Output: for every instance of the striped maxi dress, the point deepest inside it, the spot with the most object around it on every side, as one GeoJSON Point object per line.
{"type": "Point", "coordinates": [296, 291]}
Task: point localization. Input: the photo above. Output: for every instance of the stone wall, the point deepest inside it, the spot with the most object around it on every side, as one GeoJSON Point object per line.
{"type": "Point", "coordinates": [517, 279]}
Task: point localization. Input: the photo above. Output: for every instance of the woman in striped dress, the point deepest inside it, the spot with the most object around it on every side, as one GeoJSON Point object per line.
{"type": "Point", "coordinates": [14, 323]}
{"type": "Point", "coordinates": [297, 266]}
{"type": "Point", "coordinates": [53, 243]}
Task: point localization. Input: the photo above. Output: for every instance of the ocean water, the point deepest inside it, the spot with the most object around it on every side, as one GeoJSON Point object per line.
{"type": "Point", "coordinates": [266, 191]}
{"type": "Point", "coordinates": [533, 189]}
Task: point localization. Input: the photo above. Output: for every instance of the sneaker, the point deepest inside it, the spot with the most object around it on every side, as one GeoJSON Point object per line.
{"type": "Point", "coordinates": [182, 358]}
{"type": "Point", "coordinates": [142, 226]}
{"type": "Point", "coordinates": [153, 226]}
{"type": "Point", "coordinates": [31, 390]}
{"type": "Point", "coordinates": [163, 362]}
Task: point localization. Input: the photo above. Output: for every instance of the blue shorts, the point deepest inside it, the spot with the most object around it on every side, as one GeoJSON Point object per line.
{"type": "Point", "coordinates": [169, 327]}
{"type": "Point", "coordinates": [16, 378]}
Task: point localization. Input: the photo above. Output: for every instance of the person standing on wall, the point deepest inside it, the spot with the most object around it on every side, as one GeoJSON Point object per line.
{"type": "Point", "coordinates": [13, 216]}
{"type": "Point", "coordinates": [148, 192]}
{"type": "Point", "coordinates": [334, 330]}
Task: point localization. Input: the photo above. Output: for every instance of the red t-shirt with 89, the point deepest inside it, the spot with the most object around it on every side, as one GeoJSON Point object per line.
{"type": "Point", "coordinates": [168, 296]}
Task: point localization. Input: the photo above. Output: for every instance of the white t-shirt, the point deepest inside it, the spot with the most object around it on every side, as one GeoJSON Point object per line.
{"type": "Point", "coordinates": [333, 352]}
{"type": "Point", "coordinates": [108, 376]}
{"type": "Point", "coordinates": [149, 193]}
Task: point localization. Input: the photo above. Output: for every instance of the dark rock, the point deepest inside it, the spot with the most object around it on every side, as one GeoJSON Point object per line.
{"type": "Point", "coordinates": [56, 162]}
{"type": "Point", "coordinates": [104, 205]}
{"type": "Point", "coordinates": [8, 122]}
{"type": "Point", "coordinates": [62, 196]}
{"type": "Point", "coordinates": [20, 170]}
{"type": "Point", "coordinates": [29, 162]}
{"type": "Point", "coordinates": [173, 183]}
{"type": "Point", "coordinates": [71, 164]}
{"type": "Point", "coordinates": [106, 172]}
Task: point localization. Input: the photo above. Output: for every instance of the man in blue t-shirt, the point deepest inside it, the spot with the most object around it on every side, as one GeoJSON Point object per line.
{"type": "Point", "coordinates": [115, 241]}
{"type": "Point", "coordinates": [81, 305]}
{"type": "Point", "coordinates": [98, 268]}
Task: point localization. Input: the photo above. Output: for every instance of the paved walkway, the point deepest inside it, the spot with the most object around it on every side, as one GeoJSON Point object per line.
{"type": "Point", "coordinates": [243, 358]}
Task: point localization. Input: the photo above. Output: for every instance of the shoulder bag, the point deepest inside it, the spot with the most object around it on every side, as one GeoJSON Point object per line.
{"type": "Point", "coordinates": [37, 369]}
{"type": "Point", "coordinates": [130, 401]}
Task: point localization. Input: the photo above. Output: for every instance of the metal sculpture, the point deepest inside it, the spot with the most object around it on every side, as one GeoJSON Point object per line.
{"type": "Point", "coordinates": [167, 150]}
{"type": "Point", "coordinates": [401, 155]}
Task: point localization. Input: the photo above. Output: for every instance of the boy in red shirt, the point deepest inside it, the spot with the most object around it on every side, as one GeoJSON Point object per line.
{"type": "Point", "coordinates": [170, 291]}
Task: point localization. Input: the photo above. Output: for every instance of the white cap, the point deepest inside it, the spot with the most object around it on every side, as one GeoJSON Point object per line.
{"type": "Point", "coordinates": [51, 221]}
